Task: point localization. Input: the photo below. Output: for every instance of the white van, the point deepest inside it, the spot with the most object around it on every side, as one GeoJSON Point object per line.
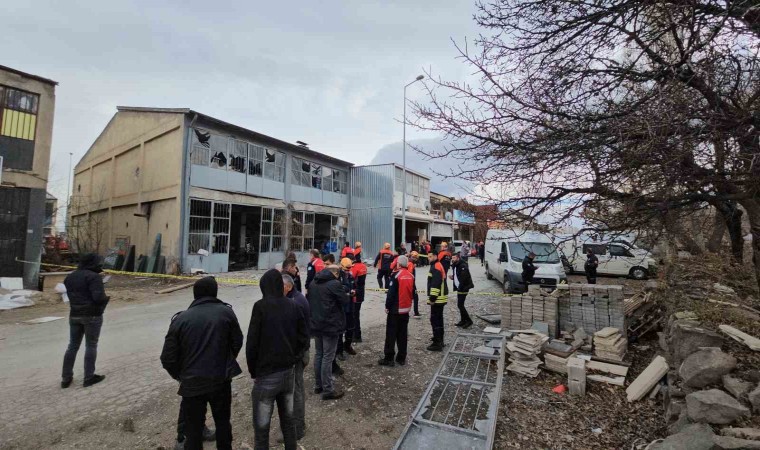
{"type": "Point", "coordinates": [615, 258]}
{"type": "Point", "coordinates": [505, 251]}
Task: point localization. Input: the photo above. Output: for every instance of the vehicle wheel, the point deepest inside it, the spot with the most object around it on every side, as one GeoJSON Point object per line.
{"type": "Point", "coordinates": [507, 287]}
{"type": "Point", "coordinates": [488, 274]}
{"type": "Point", "coordinates": [638, 273]}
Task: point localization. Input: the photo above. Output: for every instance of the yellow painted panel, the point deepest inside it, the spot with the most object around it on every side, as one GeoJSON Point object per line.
{"type": "Point", "coordinates": [18, 124]}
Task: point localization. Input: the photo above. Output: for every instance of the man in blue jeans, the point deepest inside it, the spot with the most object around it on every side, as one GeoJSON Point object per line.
{"type": "Point", "coordinates": [277, 338]}
{"type": "Point", "coordinates": [87, 301]}
{"type": "Point", "coordinates": [327, 298]}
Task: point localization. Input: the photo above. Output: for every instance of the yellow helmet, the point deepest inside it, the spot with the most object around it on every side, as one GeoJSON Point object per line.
{"type": "Point", "coordinates": [346, 263]}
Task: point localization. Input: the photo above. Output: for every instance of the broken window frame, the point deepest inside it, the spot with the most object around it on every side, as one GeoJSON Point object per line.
{"type": "Point", "coordinates": [199, 227]}
{"type": "Point", "coordinates": [272, 230]}
{"type": "Point", "coordinates": [301, 231]}
{"type": "Point", "coordinates": [238, 160]}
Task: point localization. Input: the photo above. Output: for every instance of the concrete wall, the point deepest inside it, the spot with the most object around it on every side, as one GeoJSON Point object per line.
{"type": "Point", "coordinates": [37, 177]}
{"type": "Point", "coordinates": [134, 167]}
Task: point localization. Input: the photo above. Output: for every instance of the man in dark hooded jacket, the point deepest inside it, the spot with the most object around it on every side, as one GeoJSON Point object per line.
{"type": "Point", "coordinates": [277, 337]}
{"type": "Point", "coordinates": [327, 298]}
{"type": "Point", "coordinates": [200, 351]}
{"type": "Point", "coordinates": [87, 301]}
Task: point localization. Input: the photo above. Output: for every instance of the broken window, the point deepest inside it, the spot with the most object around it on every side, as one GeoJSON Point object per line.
{"type": "Point", "coordinates": [274, 165]}
{"type": "Point", "coordinates": [301, 172]}
{"type": "Point", "coordinates": [272, 227]}
{"type": "Point", "coordinates": [301, 231]}
{"type": "Point", "coordinates": [218, 151]}
{"type": "Point", "coordinates": [200, 226]}
{"type": "Point", "coordinates": [239, 156]}
{"type": "Point", "coordinates": [255, 160]}
{"type": "Point", "coordinates": [221, 228]}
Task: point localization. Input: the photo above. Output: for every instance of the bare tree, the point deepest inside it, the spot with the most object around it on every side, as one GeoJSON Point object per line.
{"type": "Point", "coordinates": [628, 114]}
{"type": "Point", "coordinates": [88, 225]}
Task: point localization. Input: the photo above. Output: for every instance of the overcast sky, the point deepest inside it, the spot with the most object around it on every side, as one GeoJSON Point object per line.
{"type": "Point", "coordinates": [330, 73]}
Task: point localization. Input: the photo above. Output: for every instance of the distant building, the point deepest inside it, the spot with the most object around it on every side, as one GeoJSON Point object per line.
{"type": "Point", "coordinates": [51, 211]}
{"type": "Point", "coordinates": [222, 196]}
{"type": "Point", "coordinates": [27, 105]}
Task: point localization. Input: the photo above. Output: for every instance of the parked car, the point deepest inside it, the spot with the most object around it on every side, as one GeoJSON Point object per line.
{"type": "Point", "coordinates": [615, 258]}
{"type": "Point", "coordinates": [505, 251]}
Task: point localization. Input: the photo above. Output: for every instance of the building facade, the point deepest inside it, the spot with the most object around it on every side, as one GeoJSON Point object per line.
{"type": "Point", "coordinates": [27, 106]}
{"type": "Point", "coordinates": [222, 197]}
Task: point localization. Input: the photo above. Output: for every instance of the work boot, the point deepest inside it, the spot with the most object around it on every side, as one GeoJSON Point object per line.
{"type": "Point", "coordinates": [66, 383]}
{"type": "Point", "coordinates": [317, 390]}
{"type": "Point", "coordinates": [467, 324]}
{"type": "Point", "coordinates": [436, 346]}
{"type": "Point", "coordinates": [350, 350]}
{"type": "Point", "coordinates": [336, 370]}
{"type": "Point", "coordinates": [209, 434]}
{"type": "Point", "coordinates": [386, 362]}
{"type": "Point", "coordinates": [401, 362]}
{"type": "Point", "coordinates": [334, 395]}
{"type": "Point", "coordinates": [358, 340]}
{"type": "Point", "coordinates": [95, 379]}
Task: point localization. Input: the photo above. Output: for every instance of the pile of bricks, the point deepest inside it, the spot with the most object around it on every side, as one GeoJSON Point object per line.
{"type": "Point", "coordinates": [610, 344]}
{"type": "Point", "coordinates": [591, 307]}
{"type": "Point", "coordinates": [519, 312]}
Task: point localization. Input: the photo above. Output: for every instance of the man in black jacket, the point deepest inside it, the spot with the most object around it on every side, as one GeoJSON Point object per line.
{"type": "Point", "coordinates": [327, 300]}
{"type": "Point", "coordinates": [528, 269]}
{"type": "Point", "coordinates": [277, 337]}
{"type": "Point", "coordinates": [462, 285]}
{"type": "Point", "coordinates": [87, 301]}
{"type": "Point", "coordinates": [592, 262]}
{"type": "Point", "coordinates": [200, 351]}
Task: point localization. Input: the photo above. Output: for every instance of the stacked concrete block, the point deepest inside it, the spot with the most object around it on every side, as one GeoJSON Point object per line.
{"type": "Point", "coordinates": [576, 376]}
{"type": "Point", "coordinates": [591, 307]}
{"type": "Point", "coordinates": [610, 344]}
{"type": "Point", "coordinates": [519, 312]}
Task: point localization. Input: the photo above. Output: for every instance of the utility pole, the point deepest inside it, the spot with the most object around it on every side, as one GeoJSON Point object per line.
{"type": "Point", "coordinates": [403, 164]}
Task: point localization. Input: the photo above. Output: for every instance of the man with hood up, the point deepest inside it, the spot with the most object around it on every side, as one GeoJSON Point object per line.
{"type": "Point", "coordinates": [87, 301]}
{"type": "Point", "coordinates": [327, 298]}
{"type": "Point", "coordinates": [200, 351]}
{"type": "Point", "coordinates": [277, 338]}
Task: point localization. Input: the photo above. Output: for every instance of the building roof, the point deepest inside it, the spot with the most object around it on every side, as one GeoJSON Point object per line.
{"type": "Point", "coordinates": [419, 174]}
{"type": "Point", "coordinates": [258, 136]}
{"type": "Point", "coordinates": [28, 75]}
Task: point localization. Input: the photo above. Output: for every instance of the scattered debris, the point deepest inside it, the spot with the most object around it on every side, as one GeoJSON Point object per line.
{"type": "Point", "coordinates": [493, 330]}
{"type": "Point", "coordinates": [617, 381]}
{"type": "Point", "coordinates": [610, 344]}
{"type": "Point", "coordinates": [493, 319]}
{"type": "Point", "coordinates": [524, 349]}
{"type": "Point", "coordinates": [43, 320]}
{"type": "Point", "coordinates": [175, 288]}
{"type": "Point", "coordinates": [17, 299]}
{"type": "Point", "coordinates": [742, 337]}
{"type": "Point", "coordinates": [560, 389]}
{"type": "Point", "coordinates": [607, 368]}
{"type": "Point", "coordinates": [648, 378]}
{"type": "Point", "coordinates": [735, 305]}
{"type": "Point", "coordinates": [723, 289]}
{"type": "Point", "coordinates": [555, 363]}
{"type": "Point", "coordinates": [742, 433]}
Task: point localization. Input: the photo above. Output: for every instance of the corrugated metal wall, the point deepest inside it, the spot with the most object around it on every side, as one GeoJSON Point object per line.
{"type": "Point", "coordinates": [371, 213]}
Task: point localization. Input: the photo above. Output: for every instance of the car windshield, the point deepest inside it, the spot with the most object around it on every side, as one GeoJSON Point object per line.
{"type": "Point", "coordinates": [545, 253]}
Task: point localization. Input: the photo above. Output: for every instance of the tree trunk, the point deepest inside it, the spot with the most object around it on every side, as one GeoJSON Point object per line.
{"type": "Point", "coordinates": [732, 217]}
{"type": "Point", "coordinates": [716, 238]}
{"type": "Point", "coordinates": [752, 206]}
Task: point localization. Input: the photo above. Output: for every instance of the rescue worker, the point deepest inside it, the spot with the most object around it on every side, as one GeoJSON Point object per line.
{"type": "Point", "coordinates": [592, 262]}
{"type": "Point", "coordinates": [347, 251]}
{"type": "Point", "coordinates": [437, 291]}
{"type": "Point", "coordinates": [398, 302]}
{"type": "Point", "coordinates": [402, 249]}
{"type": "Point", "coordinates": [444, 257]}
{"type": "Point", "coordinates": [346, 338]}
{"type": "Point", "coordinates": [460, 273]}
{"type": "Point", "coordinates": [414, 258]}
{"type": "Point", "coordinates": [528, 269]}
{"type": "Point", "coordinates": [357, 251]}
{"type": "Point", "coordinates": [359, 272]}
{"type": "Point", "coordinates": [383, 262]}
{"type": "Point", "coordinates": [315, 266]}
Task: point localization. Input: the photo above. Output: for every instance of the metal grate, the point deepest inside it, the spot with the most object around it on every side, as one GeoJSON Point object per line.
{"type": "Point", "coordinates": [459, 407]}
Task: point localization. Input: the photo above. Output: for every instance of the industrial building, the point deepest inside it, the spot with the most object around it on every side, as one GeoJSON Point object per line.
{"type": "Point", "coordinates": [27, 105]}
{"type": "Point", "coordinates": [223, 197]}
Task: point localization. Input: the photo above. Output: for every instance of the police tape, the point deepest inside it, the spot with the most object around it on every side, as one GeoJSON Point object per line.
{"type": "Point", "coordinates": [220, 280]}
{"type": "Point", "coordinates": [234, 281]}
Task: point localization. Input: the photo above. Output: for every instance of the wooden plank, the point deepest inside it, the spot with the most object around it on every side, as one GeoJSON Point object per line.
{"type": "Point", "coordinates": [648, 378]}
{"type": "Point", "coordinates": [609, 368]}
{"type": "Point", "coordinates": [617, 381]}
{"type": "Point", "coordinates": [175, 288]}
{"type": "Point", "coordinates": [740, 336]}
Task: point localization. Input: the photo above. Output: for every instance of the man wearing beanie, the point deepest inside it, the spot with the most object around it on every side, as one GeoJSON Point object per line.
{"type": "Point", "coordinates": [200, 351]}
{"type": "Point", "coordinates": [277, 337]}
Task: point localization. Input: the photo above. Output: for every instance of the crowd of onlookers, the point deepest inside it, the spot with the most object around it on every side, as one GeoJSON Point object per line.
{"type": "Point", "coordinates": [203, 342]}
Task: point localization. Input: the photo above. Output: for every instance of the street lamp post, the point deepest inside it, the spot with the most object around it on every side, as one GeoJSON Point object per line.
{"type": "Point", "coordinates": [403, 165]}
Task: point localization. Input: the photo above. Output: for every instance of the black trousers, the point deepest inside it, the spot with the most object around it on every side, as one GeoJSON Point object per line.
{"type": "Point", "coordinates": [416, 303]}
{"type": "Point", "coordinates": [357, 320]}
{"type": "Point", "coordinates": [384, 276]}
{"type": "Point", "coordinates": [195, 417]}
{"type": "Point", "coordinates": [591, 275]}
{"type": "Point", "coordinates": [463, 315]}
{"type": "Point", "coordinates": [436, 321]}
{"type": "Point", "coordinates": [396, 334]}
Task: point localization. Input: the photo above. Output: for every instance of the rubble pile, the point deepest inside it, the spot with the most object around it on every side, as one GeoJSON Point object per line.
{"type": "Point", "coordinates": [524, 349]}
